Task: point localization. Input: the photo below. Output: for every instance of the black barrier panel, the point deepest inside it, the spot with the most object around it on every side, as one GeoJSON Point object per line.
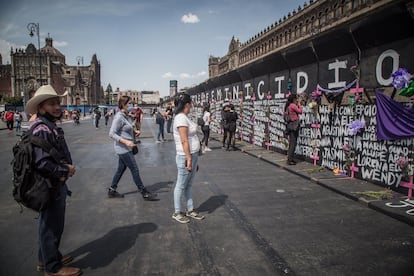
{"type": "Point", "coordinates": [244, 72]}
{"type": "Point", "coordinates": [261, 87]}
{"type": "Point", "coordinates": [271, 63]}
{"type": "Point", "coordinates": [393, 24]}
{"type": "Point", "coordinates": [278, 83]}
{"type": "Point", "coordinates": [300, 56]}
{"type": "Point", "coordinates": [230, 77]}
{"type": "Point", "coordinates": [236, 89]}
{"type": "Point", "coordinates": [304, 79]}
{"type": "Point", "coordinates": [336, 73]}
{"type": "Point", "coordinates": [334, 44]}
{"type": "Point", "coordinates": [380, 62]}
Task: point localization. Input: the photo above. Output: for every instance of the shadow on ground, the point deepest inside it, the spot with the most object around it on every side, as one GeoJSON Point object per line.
{"type": "Point", "coordinates": [101, 252]}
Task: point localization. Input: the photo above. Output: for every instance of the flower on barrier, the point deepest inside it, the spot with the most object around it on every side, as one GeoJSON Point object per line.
{"type": "Point", "coordinates": [314, 107]}
{"type": "Point", "coordinates": [316, 95]}
{"type": "Point", "coordinates": [355, 126]}
{"type": "Point", "coordinates": [401, 78]}
{"type": "Point", "coordinates": [404, 164]}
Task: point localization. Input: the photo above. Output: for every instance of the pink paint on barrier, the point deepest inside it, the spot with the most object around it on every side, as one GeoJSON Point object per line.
{"type": "Point", "coordinates": [357, 89]}
{"type": "Point", "coordinates": [353, 169]}
{"type": "Point", "coordinates": [316, 125]}
{"type": "Point", "coordinates": [315, 158]}
{"type": "Point", "coordinates": [409, 185]}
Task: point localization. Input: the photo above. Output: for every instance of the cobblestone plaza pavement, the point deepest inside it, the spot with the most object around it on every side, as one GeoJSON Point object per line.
{"type": "Point", "coordinates": [262, 217]}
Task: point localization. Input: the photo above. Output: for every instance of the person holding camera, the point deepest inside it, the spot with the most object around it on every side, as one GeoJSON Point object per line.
{"type": "Point", "coordinates": [122, 132]}
{"type": "Point", "coordinates": [293, 108]}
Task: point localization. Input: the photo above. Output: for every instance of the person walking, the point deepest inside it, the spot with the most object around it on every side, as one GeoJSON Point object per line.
{"type": "Point", "coordinates": [231, 118]}
{"type": "Point", "coordinates": [169, 117]}
{"type": "Point", "coordinates": [206, 129]}
{"type": "Point", "coordinates": [224, 124]}
{"type": "Point", "coordinates": [187, 146]}
{"type": "Point", "coordinates": [106, 116]}
{"type": "Point", "coordinates": [160, 120]}
{"type": "Point", "coordinates": [98, 115]}
{"type": "Point", "coordinates": [9, 118]}
{"type": "Point", "coordinates": [122, 132]}
{"type": "Point", "coordinates": [46, 104]}
{"type": "Point", "coordinates": [137, 115]}
{"type": "Point", "coordinates": [18, 119]}
{"type": "Point", "coordinates": [293, 108]}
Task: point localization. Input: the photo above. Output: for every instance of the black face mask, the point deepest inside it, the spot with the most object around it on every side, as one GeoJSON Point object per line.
{"type": "Point", "coordinates": [50, 117]}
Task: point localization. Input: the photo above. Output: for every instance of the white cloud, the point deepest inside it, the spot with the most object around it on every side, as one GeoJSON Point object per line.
{"type": "Point", "coordinates": [192, 76]}
{"type": "Point", "coordinates": [184, 76]}
{"type": "Point", "coordinates": [59, 44]}
{"type": "Point", "coordinates": [168, 75]}
{"type": "Point", "coordinates": [190, 18]}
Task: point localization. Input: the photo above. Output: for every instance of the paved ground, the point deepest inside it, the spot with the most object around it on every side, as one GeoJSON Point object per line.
{"type": "Point", "coordinates": [262, 217]}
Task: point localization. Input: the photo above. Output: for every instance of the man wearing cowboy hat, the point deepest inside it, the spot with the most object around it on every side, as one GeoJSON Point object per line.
{"type": "Point", "coordinates": [45, 104]}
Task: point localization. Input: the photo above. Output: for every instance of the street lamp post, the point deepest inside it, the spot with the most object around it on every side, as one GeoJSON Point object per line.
{"type": "Point", "coordinates": [35, 28]}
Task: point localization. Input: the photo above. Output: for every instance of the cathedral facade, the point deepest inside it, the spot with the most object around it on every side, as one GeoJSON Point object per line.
{"type": "Point", "coordinates": [31, 68]}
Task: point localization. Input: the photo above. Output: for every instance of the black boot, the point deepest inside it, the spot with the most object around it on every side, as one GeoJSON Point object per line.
{"type": "Point", "coordinates": [146, 195]}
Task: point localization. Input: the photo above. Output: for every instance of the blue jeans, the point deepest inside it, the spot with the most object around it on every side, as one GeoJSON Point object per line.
{"type": "Point", "coordinates": [161, 130]}
{"type": "Point", "coordinates": [184, 185]}
{"type": "Point", "coordinates": [51, 224]}
{"type": "Point", "coordinates": [127, 160]}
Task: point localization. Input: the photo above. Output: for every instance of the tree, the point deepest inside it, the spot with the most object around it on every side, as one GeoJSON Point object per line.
{"type": "Point", "coordinates": [14, 101]}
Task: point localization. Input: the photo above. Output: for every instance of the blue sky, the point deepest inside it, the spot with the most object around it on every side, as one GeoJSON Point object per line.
{"type": "Point", "coordinates": [141, 44]}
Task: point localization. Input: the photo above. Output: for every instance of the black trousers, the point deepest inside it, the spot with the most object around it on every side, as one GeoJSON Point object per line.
{"type": "Point", "coordinates": [51, 224]}
{"type": "Point", "coordinates": [225, 133]}
{"type": "Point", "coordinates": [232, 139]}
{"type": "Point", "coordinates": [293, 138]}
{"type": "Point", "coordinates": [206, 135]}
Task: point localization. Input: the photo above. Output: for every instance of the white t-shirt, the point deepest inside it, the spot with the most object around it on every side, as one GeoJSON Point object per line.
{"type": "Point", "coordinates": [182, 120]}
{"type": "Point", "coordinates": [206, 115]}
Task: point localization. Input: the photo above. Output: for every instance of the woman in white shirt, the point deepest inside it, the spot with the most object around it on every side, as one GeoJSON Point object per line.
{"type": "Point", "coordinates": [206, 128]}
{"type": "Point", "coordinates": [187, 146]}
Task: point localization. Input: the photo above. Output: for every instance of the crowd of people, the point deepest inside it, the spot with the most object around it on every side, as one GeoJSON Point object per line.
{"type": "Point", "coordinates": [125, 130]}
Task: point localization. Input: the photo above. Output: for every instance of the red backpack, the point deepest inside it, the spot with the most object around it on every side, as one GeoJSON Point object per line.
{"type": "Point", "coordinates": [9, 116]}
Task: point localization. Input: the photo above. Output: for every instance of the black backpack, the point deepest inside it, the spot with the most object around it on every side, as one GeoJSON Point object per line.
{"type": "Point", "coordinates": [30, 188]}
{"type": "Point", "coordinates": [200, 121]}
{"type": "Point", "coordinates": [286, 117]}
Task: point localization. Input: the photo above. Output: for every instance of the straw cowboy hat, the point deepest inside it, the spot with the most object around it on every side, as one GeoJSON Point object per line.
{"type": "Point", "coordinates": [42, 94]}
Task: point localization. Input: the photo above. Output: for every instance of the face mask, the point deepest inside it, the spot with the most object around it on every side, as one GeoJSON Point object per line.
{"type": "Point", "coordinates": [50, 117]}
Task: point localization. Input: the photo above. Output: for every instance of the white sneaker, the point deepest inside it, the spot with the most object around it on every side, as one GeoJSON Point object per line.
{"type": "Point", "coordinates": [207, 149]}
{"type": "Point", "coordinates": [180, 218]}
{"type": "Point", "coordinates": [158, 141]}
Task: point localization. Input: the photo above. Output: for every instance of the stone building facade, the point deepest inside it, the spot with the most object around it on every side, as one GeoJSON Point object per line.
{"type": "Point", "coordinates": [31, 68]}
{"type": "Point", "coordinates": [138, 97]}
{"type": "Point", "coordinates": [299, 26]}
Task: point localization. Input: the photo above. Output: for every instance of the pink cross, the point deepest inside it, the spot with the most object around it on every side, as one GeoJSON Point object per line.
{"type": "Point", "coordinates": [357, 89]}
{"type": "Point", "coordinates": [268, 145]}
{"type": "Point", "coordinates": [408, 185]}
{"type": "Point", "coordinates": [353, 169]}
{"type": "Point", "coordinates": [315, 125]}
{"type": "Point", "coordinates": [252, 140]}
{"type": "Point", "coordinates": [315, 158]}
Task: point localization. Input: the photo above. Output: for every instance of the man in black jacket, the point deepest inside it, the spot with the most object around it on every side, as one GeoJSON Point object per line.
{"type": "Point", "coordinates": [230, 124]}
{"type": "Point", "coordinates": [46, 105]}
